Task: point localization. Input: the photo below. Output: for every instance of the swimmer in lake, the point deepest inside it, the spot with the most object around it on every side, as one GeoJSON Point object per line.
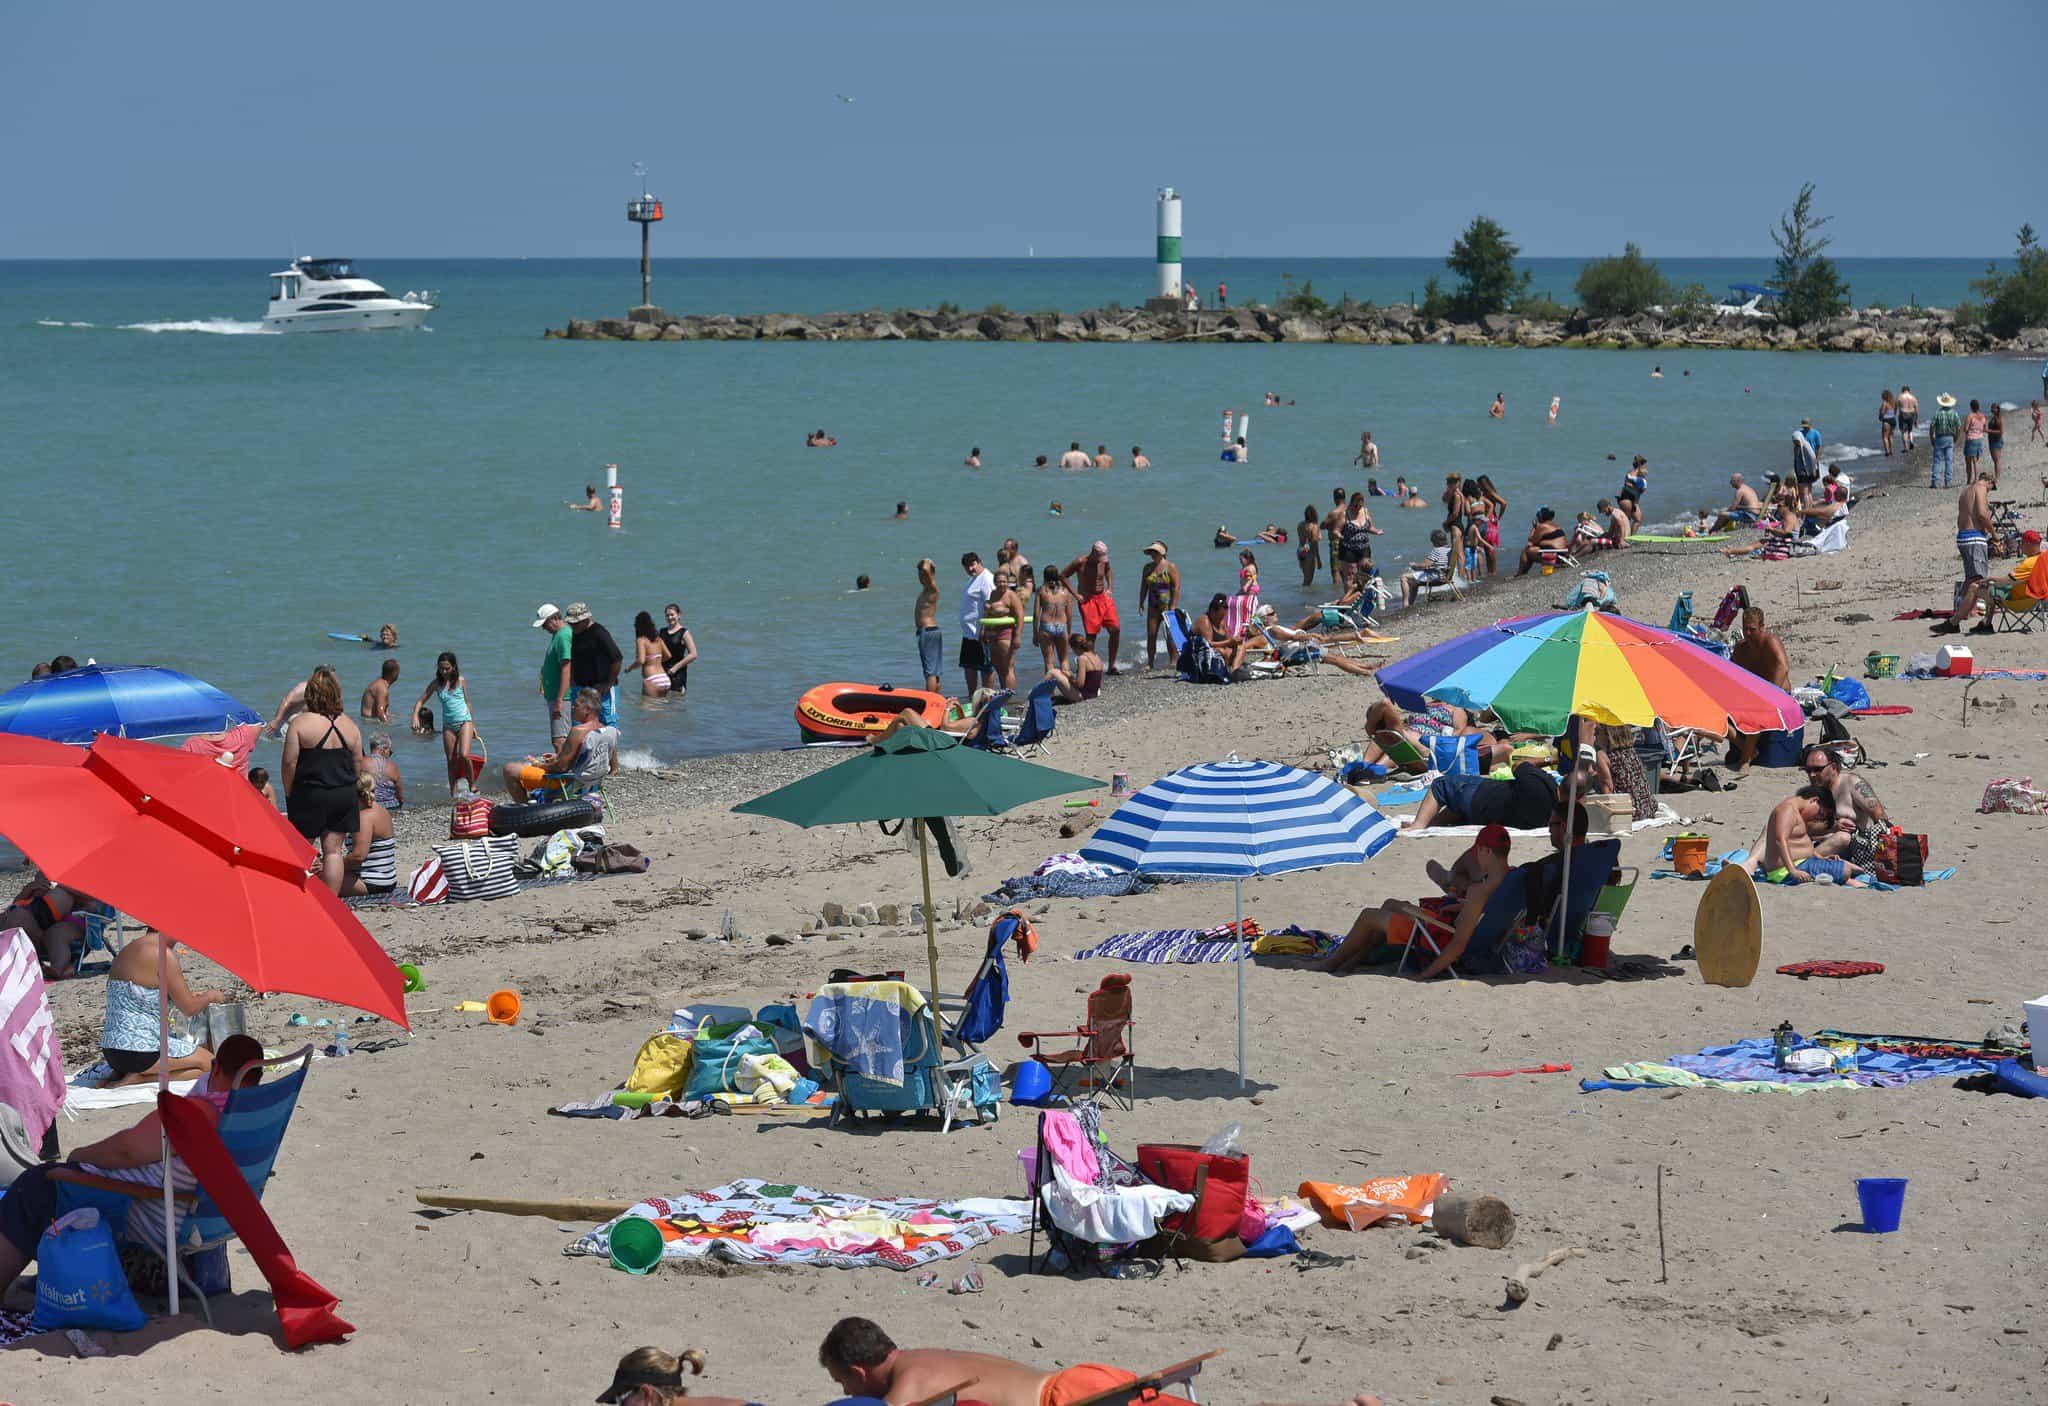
{"type": "Point", "coordinates": [1054, 508]}
{"type": "Point", "coordinates": [818, 439]}
{"type": "Point", "coordinates": [590, 503]}
{"type": "Point", "coordinates": [973, 459]}
{"type": "Point", "coordinates": [860, 583]}
{"type": "Point", "coordinates": [902, 511]}
{"type": "Point", "coordinates": [1499, 408]}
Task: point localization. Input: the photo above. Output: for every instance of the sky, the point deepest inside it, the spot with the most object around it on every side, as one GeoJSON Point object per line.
{"type": "Point", "coordinates": [978, 128]}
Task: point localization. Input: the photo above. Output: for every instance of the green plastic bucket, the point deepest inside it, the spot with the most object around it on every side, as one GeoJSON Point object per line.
{"type": "Point", "coordinates": [636, 1245]}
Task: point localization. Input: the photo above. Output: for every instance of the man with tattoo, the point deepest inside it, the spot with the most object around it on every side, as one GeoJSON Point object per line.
{"type": "Point", "coordinates": [1861, 821]}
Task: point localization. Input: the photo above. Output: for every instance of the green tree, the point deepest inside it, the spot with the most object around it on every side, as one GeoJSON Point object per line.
{"type": "Point", "coordinates": [1484, 260]}
{"type": "Point", "coordinates": [2020, 298]}
{"type": "Point", "coordinates": [1301, 302]}
{"type": "Point", "coordinates": [1689, 304]}
{"type": "Point", "coordinates": [1812, 285]}
{"type": "Point", "coordinates": [1622, 287]}
{"type": "Point", "coordinates": [1435, 304]}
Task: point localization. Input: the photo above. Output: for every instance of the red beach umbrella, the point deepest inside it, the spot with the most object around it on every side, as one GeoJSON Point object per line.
{"type": "Point", "coordinates": [187, 846]}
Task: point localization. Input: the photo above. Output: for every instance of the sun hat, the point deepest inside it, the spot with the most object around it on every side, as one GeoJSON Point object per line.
{"type": "Point", "coordinates": [545, 614]}
{"type": "Point", "coordinates": [1945, 401]}
{"type": "Point", "coordinates": [1492, 837]}
{"type": "Point", "coordinates": [577, 613]}
{"type": "Point", "coordinates": [1159, 547]}
{"type": "Point", "coordinates": [1265, 612]}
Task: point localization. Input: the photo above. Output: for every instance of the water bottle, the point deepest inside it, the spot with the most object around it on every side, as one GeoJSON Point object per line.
{"type": "Point", "coordinates": [1226, 1141]}
{"type": "Point", "coordinates": [341, 1042]}
{"type": "Point", "coordinates": [1782, 1041]}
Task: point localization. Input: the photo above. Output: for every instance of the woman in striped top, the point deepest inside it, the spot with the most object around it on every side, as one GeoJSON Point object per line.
{"type": "Point", "coordinates": [372, 863]}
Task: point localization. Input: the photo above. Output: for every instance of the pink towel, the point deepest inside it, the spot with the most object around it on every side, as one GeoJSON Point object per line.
{"type": "Point", "coordinates": [230, 748]}
{"type": "Point", "coordinates": [1239, 611]}
{"type": "Point", "coordinates": [31, 1064]}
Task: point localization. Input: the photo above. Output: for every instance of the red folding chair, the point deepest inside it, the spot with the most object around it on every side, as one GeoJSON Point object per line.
{"type": "Point", "coordinates": [1104, 1054]}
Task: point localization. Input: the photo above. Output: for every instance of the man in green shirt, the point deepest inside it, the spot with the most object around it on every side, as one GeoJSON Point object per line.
{"type": "Point", "coordinates": [1941, 437]}
{"type": "Point", "coordinates": [554, 669]}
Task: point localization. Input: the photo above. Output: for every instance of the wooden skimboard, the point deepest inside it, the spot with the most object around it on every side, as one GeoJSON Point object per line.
{"type": "Point", "coordinates": [1728, 929]}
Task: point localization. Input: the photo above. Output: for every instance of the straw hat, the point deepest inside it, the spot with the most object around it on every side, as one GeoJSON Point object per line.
{"type": "Point", "coordinates": [1945, 401]}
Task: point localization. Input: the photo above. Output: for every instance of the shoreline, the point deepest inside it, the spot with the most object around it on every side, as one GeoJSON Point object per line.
{"type": "Point", "coordinates": [1911, 331]}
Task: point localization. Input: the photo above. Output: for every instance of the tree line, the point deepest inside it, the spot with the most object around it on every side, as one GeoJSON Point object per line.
{"type": "Point", "coordinates": [1810, 287]}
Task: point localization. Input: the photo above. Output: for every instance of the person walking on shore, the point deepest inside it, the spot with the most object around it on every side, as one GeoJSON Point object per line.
{"type": "Point", "coordinates": [1354, 542]}
{"type": "Point", "coordinates": [322, 752]}
{"type": "Point", "coordinates": [1994, 440]}
{"type": "Point", "coordinates": [1887, 419]}
{"type": "Point", "coordinates": [1909, 418]}
{"type": "Point", "coordinates": [594, 660]}
{"type": "Point", "coordinates": [1973, 545]}
{"type": "Point", "coordinates": [1160, 586]}
{"type": "Point", "coordinates": [458, 728]}
{"type": "Point", "coordinates": [1976, 430]}
{"type": "Point", "coordinates": [1095, 584]}
{"type": "Point", "coordinates": [974, 598]}
{"type": "Point", "coordinates": [1941, 439]}
{"type": "Point", "coordinates": [924, 623]}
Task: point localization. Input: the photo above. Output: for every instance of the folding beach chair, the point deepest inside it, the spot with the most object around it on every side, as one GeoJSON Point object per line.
{"type": "Point", "coordinates": [977, 1013]}
{"type": "Point", "coordinates": [1104, 1055]}
{"type": "Point", "coordinates": [1591, 864]}
{"type": "Point", "coordinates": [987, 732]}
{"type": "Point", "coordinates": [1079, 1157]}
{"type": "Point", "coordinates": [1404, 758]}
{"type": "Point", "coordinates": [252, 1127]}
{"type": "Point", "coordinates": [1177, 627]}
{"type": "Point", "coordinates": [1430, 585]}
{"type": "Point", "coordinates": [2016, 610]}
{"type": "Point", "coordinates": [952, 1089]}
{"type": "Point", "coordinates": [1295, 656]}
{"type": "Point", "coordinates": [1150, 1386]}
{"type": "Point", "coordinates": [1037, 723]}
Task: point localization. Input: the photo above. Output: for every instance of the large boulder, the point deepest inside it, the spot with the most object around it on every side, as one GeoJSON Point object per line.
{"type": "Point", "coordinates": [1302, 329]}
{"type": "Point", "coordinates": [1498, 324]}
{"type": "Point", "coordinates": [581, 330]}
{"type": "Point", "coordinates": [645, 332]}
{"type": "Point", "coordinates": [885, 331]}
{"type": "Point", "coordinates": [1111, 332]}
{"type": "Point", "coordinates": [648, 312]}
{"type": "Point", "coordinates": [1067, 329]}
{"type": "Point", "coordinates": [615, 328]}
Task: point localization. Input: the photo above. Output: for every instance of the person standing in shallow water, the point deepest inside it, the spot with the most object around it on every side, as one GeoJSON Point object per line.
{"type": "Point", "coordinates": [924, 623]}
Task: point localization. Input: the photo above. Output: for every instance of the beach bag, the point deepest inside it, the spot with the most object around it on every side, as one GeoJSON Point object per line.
{"type": "Point", "coordinates": [662, 1067]}
{"type": "Point", "coordinates": [1851, 692]}
{"type": "Point", "coordinates": [1901, 858]}
{"type": "Point", "coordinates": [1731, 606]}
{"type": "Point", "coordinates": [1454, 756]}
{"type": "Point", "coordinates": [2013, 795]}
{"type": "Point", "coordinates": [1219, 1184]}
{"type": "Point", "coordinates": [471, 819]}
{"type": "Point", "coordinates": [485, 868]}
{"type": "Point", "coordinates": [610, 859]}
{"type": "Point", "coordinates": [1200, 663]}
{"type": "Point", "coordinates": [79, 1283]}
{"type": "Point", "coordinates": [718, 1058]}
{"type": "Point", "coordinates": [429, 882]}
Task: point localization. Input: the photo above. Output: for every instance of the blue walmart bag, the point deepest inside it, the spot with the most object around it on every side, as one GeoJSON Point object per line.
{"type": "Point", "coordinates": [79, 1283]}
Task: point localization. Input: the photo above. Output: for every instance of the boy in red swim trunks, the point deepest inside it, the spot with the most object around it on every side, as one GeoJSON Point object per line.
{"type": "Point", "coordinates": [864, 1361]}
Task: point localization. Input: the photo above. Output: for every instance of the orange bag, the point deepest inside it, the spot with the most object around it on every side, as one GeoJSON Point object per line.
{"type": "Point", "coordinates": [1409, 1198]}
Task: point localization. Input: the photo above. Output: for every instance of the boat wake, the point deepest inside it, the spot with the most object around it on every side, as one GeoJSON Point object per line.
{"type": "Point", "coordinates": [53, 322]}
{"type": "Point", "coordinates": [218, 326]}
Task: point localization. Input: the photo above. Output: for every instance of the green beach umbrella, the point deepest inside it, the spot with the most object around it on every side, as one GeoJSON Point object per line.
{"type": "Point", "coordinates": [916, 772]}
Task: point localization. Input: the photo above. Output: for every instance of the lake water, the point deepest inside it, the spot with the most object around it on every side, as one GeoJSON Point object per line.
{"type": "Point", "coordinates": [200, 495]}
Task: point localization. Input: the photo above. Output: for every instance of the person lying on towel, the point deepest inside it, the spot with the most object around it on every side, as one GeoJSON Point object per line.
{"type": "Point", "coordinates": [865, 1362]}
{"type": "Point", "coordinates": [132, 1155]}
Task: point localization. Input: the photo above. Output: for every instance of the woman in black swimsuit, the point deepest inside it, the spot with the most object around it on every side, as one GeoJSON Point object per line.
{"type": "Point", "coordinates": [682, 649]}
{"type": "Point", "coordinates": [322, 751]}
{"type": "Point", "coordinates": [1354, 540]}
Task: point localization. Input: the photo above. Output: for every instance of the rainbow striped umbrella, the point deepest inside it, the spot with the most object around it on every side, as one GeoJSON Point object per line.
{"type": "Point", "coordinates": [1536, 671]}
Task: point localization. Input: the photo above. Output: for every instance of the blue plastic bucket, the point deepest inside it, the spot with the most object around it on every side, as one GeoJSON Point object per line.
{"type": "Point", "coordinates": [1882, 1198]}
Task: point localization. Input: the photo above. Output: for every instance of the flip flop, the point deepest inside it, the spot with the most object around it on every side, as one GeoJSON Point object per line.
{"type": "Point", "coordinates": [969, 1283]}
{"type": "Point", "coordinates": [927, 1279]}
{"type": "Point", "coordinates": [1305, 1260]}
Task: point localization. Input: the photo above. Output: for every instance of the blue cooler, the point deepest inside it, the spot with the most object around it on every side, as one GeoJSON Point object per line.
{"type": "Point", "coordinates": [1782, 749]}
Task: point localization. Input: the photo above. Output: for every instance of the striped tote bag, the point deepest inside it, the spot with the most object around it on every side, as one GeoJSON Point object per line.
{"type": "Point", "coordinates": [483, 868]}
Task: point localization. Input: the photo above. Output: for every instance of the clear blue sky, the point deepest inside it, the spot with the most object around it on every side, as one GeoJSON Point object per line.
{"type": "Point", "coordinates": [228, 129]}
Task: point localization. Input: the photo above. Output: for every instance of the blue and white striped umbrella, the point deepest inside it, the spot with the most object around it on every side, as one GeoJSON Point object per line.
{"type": "Point", "coordinates": [1239, 820]}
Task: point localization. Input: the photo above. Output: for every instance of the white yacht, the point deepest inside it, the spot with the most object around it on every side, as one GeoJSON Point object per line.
{"type": "Point", "coordinates": [324, 295]}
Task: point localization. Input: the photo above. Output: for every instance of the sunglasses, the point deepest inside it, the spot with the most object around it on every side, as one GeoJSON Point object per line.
{"type": "Point", "coordinates": [1817, 770]}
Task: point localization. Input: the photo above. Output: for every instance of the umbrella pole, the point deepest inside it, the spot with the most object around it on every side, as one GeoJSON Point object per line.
{"type": "Point", "coordinates": [1239, 886]}
{"type": "Point", "coordinates": [163, 1086]}
{"type": "Point", "coordinates": [1571, 833]}
{"type": "Point", "coordinates": [931, 936]}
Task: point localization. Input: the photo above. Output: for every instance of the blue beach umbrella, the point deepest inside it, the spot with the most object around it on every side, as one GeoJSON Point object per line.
{"type": "Point", "coordinates": [1239, 820]}
{"type": "Point", "coordinates": [128, 700]}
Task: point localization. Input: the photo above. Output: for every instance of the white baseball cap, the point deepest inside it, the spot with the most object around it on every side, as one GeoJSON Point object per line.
{"type": "Point", "coordinates": [545, 614]}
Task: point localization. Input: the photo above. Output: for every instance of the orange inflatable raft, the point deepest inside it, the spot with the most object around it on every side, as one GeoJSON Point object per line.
{"type": "Point", "coordinates": [857, 712]}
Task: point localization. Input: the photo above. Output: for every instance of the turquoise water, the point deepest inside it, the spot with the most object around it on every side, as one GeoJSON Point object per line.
{"type": "Point", "coordinates": [218, 502]}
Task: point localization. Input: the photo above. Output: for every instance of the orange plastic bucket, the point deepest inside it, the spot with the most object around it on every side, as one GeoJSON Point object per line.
{"type": "Point", "coordinates": [503, 1008]}
{"type": "Point", "coordinates": [1689, 854]}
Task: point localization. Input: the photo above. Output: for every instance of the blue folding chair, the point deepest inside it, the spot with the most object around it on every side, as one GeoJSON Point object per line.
{"type": "Point", "coordinates": [1037, 723]}
{"type": "Point", "coordinates": [952, 1089]}
{"type": "Point", "coordinates": [1590, 866]}
{"type": "Point", "coordinates": [987, 732]}
{"type": "Point", "coordinates": [252, 1128]}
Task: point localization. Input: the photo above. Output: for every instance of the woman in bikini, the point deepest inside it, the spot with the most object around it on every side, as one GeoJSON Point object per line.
{"type": "Point", "coordinates": [458, 728]}
{"type": "Point", "coordinates": [1308, 550]}
{"type": "Point", "coordinates": [650, 657]}
{"type": "Point", "coordinates": [1055, 611]}
{"type": "Point", "coordinates": [1161, 585]}
{"type": "Point", "coordinates": [1887, 420]}
{"type": "Point", "coordinates": [1248, 576]}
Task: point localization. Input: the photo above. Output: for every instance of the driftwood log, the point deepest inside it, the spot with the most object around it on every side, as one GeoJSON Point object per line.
{"type": "Point", "coordinates": [573, 1208]}
{"type": "Point", "coordinates": [1484, 1221]}
{"type": "Point", "coordinates": [1518, 1282]}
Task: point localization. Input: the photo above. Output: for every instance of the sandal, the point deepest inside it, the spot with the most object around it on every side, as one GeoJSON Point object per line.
{"type": "Point", "coordinates": [969, 1283]}
{"type": "Point", "coordinates": [1305, 1260]}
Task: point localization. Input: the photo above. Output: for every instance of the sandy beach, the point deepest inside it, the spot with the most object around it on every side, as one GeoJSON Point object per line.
{"type": "Point", "coordinates": [1772, 1295]}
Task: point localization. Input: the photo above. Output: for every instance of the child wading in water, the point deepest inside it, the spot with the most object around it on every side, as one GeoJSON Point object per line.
{"type": "Point", "coordinates": [458, 728]}
{"type": "Point", "coordinates": [1054, 609]}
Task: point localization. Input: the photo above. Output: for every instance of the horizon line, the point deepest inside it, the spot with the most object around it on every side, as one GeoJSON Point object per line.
{"type": "Point", "coordinates": [907, 258]}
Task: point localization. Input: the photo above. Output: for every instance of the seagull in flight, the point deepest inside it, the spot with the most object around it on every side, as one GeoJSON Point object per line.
{"type": "Point", "coordinates": [842, 97]}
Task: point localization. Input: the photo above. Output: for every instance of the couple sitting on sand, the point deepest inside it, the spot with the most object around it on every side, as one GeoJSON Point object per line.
{"type": "Point", "coordinates": [1831, 828]}
{"type": "Point", "coordinates": [868, 1366]}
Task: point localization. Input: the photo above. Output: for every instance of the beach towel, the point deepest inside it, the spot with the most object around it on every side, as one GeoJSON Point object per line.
{"type": "Point", "coordinates": [2011, 675]}
{"type": "Point", "coordinates": [750, 1221]}
{"type": "Point", "coordinates": [1172, 946]}
{"type": "Point", "coordinates": [14, 1327]}
{"type": "Point", "coordinates": [31, 1064]}
{"type": "Point", "coordinates": [861, 1025]}
{"type": "Point", "coordinates": [1750, 1066]}
{"type": "Point", "coordinates": [1065, 883]}
{"type": "Point", "coordinates": [1737, 856]}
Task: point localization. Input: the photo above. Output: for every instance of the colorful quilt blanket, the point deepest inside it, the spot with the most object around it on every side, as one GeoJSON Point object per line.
{"type": "Point", "coordinates": [758, 1222]}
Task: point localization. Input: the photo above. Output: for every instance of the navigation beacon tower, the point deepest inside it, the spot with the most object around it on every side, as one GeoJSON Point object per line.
{"type": "Point", "coordinates": [644, 212]}
{"type": "Point", "coordinates": [1169, 243]}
